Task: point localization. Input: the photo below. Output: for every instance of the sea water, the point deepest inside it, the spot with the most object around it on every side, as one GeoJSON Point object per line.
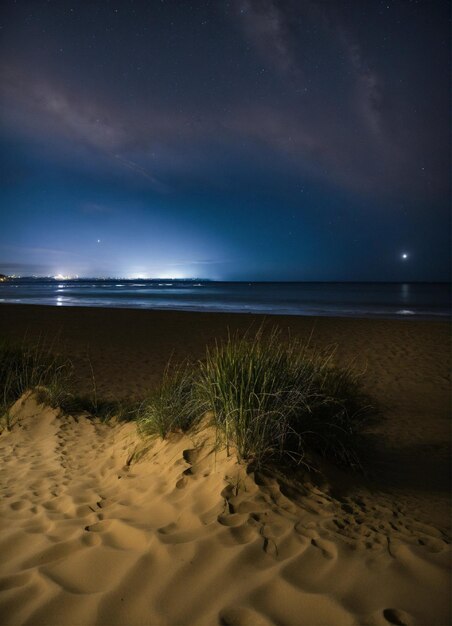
{"type": "Point", "coordinates": [387, 300]}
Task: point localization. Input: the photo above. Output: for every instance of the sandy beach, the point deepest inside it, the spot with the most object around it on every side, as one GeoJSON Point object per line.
{"type": "Point", "coordinates": [98, 526]}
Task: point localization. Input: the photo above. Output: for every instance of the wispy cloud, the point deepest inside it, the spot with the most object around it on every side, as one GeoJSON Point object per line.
{"type": "Point", "coordinates": [333, 123]}
{"type": "Point", "coordinates": [40, 108]}
{"type": "Point", "coordinates": [265, 25]}
{"type": "Point", "coordinates": [29, 269]}
{"type": "Point", "coordinates": [33, 250]}
{"type": "Point", "coordinates": [131, 165]}
{"type": "Point", "coordinates": [329, 123]}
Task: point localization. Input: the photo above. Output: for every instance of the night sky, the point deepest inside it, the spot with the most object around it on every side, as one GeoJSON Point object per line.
{"type": "Point", "coordinates": [230, 140]}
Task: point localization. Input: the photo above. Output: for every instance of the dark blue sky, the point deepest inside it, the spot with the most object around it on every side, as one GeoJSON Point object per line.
{"type": "Point", "coordinates": [240, 140]}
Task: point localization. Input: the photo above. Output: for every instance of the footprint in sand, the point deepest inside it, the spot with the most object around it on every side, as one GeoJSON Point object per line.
{"type": "Point", "coordinates": [397, 617]}
{"type": "Point", "coordinates": [168, 529]}
{"type": "Point", "coordinates": [233, 519]}
{"type": "Point", "coordinates": [269, 546]}
{"type": "Point", "coordinates": [18, 505]}
{"type": "Point", "coordinates": [328, 548]}
{"type": "Point", "coordinates": [182, 482]}
{"type": "Point", "coordinates": [100, 526]}
{"type": "Point", "coordinates": [191, 456]}
{"type": "Point", "coordinates": [238, 535]}
{"type": "Point", "coordinates": [433, 545]}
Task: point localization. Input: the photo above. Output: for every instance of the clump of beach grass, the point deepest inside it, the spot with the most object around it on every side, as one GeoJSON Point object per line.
{"type": "Point", "coordinates": [32, 367]}
{"type": "Point", "coordinates": [281, 400]}
{"type": "Point", "coordinates": [172, 406]}
{"type": "Point", "coordinates": [274, 399]}
{"type": "Point", "coordinates": [35, 366]}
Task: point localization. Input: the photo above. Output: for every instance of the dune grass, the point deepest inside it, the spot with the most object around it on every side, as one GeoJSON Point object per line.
{"type": "Point", "coordinates": [282, 401]}
{"type": "Point", "coordinates": [275, 400]}
{"type": "Point", "coordinates": [35, 366]}
{"type": "Point", "coordinates": [172, 406]}
{"type": "Point", "coordinates": [32, 366]}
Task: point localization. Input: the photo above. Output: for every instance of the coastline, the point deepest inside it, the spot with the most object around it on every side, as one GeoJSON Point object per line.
{"type": "Point", "coordinates": [379, 300]}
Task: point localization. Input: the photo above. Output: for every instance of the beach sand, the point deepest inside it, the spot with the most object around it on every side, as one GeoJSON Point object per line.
{"type": "Point", "coordinates": [99, 527]}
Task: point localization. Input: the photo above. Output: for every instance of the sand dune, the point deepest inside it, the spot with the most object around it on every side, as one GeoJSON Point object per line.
{"type": "Point", "coordinates": [97, 528]}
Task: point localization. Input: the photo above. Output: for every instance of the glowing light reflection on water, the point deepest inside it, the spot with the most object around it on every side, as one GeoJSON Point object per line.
{"type": "Point", "coordinates": [391, 300]}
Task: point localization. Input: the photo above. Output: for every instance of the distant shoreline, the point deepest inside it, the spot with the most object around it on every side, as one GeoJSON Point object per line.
{"type": "Point", "coordinates": [230, 282]}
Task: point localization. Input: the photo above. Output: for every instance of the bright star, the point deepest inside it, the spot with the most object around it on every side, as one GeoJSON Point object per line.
{"type": "Point", "coordinates": [404, 256]}
{"type": "Point", "coordinates": [98, 241]}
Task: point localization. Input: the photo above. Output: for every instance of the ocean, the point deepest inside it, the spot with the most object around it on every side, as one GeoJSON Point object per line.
{"type": "Point", "coordinates": [385, 300]}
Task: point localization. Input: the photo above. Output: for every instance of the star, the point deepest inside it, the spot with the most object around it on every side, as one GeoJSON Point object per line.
{"type": "Point", "coordinates": [404, 256]}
